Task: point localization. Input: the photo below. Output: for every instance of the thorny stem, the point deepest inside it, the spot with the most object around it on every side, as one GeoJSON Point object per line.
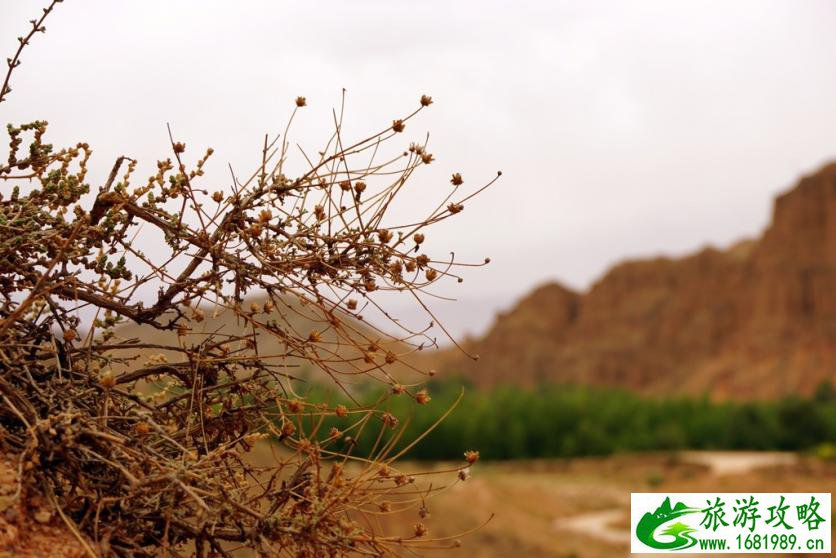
{"type": "Point", "coordinates": [141, 436]}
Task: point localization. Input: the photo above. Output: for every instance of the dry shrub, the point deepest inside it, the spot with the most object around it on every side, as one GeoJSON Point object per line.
{"type": "Point", "coordinates": [147, 455]}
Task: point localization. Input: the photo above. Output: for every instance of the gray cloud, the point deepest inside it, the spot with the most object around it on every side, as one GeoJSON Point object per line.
{"type": "Point", "coordinates": [623, 128]}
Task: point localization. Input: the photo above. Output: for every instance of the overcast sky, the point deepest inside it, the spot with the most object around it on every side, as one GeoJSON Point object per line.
{"type": "Point", "coordinates": [624, 129]}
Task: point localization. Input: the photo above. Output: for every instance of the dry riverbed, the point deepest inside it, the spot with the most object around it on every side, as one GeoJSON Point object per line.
{"type": "Point", "coordinates": [580, 508]}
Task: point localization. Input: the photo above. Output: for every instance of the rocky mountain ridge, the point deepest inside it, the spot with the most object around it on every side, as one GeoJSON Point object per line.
{"type": "Point", "coordinates": [755, 320]}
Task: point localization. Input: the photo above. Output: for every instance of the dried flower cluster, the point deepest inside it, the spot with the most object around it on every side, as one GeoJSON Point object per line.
{"type": "Point", "coordinates": [142, 448]}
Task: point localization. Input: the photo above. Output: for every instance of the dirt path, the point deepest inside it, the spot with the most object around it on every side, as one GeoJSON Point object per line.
{"type": "Point", "coordinates": [598, 525]}
{"type": "Point", "coordinates": [736, 462]}
{"type": "Point", "coordinates": [606, 526]}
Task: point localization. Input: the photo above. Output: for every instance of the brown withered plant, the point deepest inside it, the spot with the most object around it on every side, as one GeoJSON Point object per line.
{"type": "Point", "coordinates": [143, 448]}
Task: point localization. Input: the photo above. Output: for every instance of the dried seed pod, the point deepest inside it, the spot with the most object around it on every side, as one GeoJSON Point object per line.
{"type": "Point", "coordinates": [422, 397]}
{"type": "Point", "coordinates": [288, 429]}
{"type": "Point", "coordinates": [389, 420]}
{"type": "Point", "coordinates": [107, 380]}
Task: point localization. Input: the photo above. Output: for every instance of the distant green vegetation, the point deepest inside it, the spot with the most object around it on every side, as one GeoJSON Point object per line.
{"type": "Point", "coordinates": [565, 421]}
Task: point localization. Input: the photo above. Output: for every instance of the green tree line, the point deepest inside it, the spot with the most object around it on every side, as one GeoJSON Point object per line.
{"type": "Point", "coordinates": [566, 421]}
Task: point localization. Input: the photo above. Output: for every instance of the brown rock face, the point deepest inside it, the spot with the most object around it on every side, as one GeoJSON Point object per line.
{"type": "Point", "coordinates": [756, 320]}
